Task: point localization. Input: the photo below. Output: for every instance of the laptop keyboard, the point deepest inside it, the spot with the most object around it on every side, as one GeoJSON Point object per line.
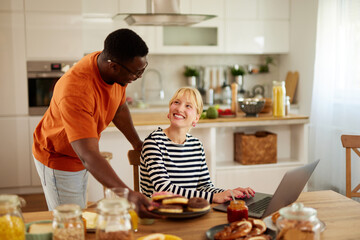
{"type": "Point", "coordinates": [260, 206]}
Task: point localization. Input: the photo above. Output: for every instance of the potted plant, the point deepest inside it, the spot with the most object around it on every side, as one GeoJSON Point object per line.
{"type": "Point", "coordinates": [191, 73]}
{"type": "Point", "coordinates": [238, 72]}
{"type": "Point", "coordinates": [264, 68]}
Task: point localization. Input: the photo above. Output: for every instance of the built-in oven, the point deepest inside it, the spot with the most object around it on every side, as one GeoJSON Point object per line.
{"type": "Point", "coordinates": [42, 77]}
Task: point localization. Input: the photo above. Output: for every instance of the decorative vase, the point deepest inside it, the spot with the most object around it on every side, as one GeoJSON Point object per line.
{"type": "Point", "coordinates": [192, 81]}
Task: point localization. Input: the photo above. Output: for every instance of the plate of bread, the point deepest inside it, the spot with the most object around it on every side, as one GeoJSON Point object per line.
{"type": "Point", "coordinates": [251, 229]}
{"type": "Point", "coordinates": [39, 230]}
{"type": "Point", "coordinates": [270, 222]}
{"type": "Point", "coordinates": [177, 206]}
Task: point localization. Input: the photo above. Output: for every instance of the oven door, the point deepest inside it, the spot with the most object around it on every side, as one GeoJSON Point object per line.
{"type": "Point", "coordinates": [40, 90]}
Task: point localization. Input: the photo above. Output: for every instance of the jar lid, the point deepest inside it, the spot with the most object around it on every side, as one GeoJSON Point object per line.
{"type": "Point", "coordinates": [9, 200]}
{"type": "Point", "coordinates": [113, 205]}
{"type": "Point", "coordinates": [277, 83]}
{"type": "Point", "coordinates": [67, 211]}
{"type": "Point", "coordinates": [297, 211]}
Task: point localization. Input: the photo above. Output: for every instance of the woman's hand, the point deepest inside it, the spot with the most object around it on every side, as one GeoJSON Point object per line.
{"type": "Point", "coordinates": [247, 192]}
{"type": "Point", "coordinates": [238, 193]}
{"type": "Point", "coordinates": [143, 206]}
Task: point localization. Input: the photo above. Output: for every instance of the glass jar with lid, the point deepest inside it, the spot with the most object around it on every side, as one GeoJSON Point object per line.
{"type": "Point", "coordinates": [68, 223]}
{"type": "Point", "coordinates": [279, 94]}
{"type": "Point", "coordinates": [11, 220]}
{"type": "Point", "coordinates": [114, 221]}
{"type": "Point", "coordinates": [237, 210]}
{"type": "Point", "coordinates": [298, 222]}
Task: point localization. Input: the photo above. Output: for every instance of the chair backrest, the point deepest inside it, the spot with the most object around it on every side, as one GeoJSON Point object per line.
{"type": "Point", "coordinates": [134, 160]}
{"type": "Point", "coordinates": [350, 142]}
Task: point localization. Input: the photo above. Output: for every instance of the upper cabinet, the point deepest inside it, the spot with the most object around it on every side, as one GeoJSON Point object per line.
{"type": "Point", "coordinates": [204, 37]}
{"type": "Point", "coordinates": [241, 26]}
{"type": "Point", "coordinates": [13, 87]}
{"type": "Point", "coordinates": [53, 30]}
{"type": "Point", "coordinates": [257, 26]}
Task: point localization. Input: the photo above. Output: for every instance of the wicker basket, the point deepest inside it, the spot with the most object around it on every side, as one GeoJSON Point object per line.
{"type": "Point", "coordinates": [258, 148]}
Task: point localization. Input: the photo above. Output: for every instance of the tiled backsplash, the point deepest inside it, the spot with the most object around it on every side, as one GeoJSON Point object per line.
{"type": "Point", "coordinates": [171, 68]}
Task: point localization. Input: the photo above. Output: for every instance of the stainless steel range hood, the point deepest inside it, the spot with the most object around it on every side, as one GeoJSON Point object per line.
{"type": "Point", "coordinates": [164, 13]}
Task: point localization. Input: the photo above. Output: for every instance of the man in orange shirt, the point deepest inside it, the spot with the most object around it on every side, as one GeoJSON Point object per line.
{"type": "Point", "coordinates": [86, 99]}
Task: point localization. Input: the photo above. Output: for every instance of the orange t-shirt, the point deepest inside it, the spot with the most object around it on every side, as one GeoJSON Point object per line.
{"type": "Point", "coordinates": [82, 106]}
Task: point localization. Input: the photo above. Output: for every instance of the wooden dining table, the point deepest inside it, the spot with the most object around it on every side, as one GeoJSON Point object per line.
{"type": "Point", "coordinates": [340, 214]}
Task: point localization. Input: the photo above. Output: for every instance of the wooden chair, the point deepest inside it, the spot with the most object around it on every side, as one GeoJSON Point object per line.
{"type": "Point", "coordinates": [134, 160]}
{"type": "Point", "coordinates": [350, 142]}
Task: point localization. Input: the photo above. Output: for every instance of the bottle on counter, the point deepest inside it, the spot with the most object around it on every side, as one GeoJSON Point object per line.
{"type": "Point", "coordinates": [298, 222]}
{"type": "Point", "coordinates": [234, 98]}
{"type": "Point", "coordinates": [237, 210]}
{"type": "Point", "coordinates": [68, 223]}
{"type": "Point", "coordinates": [279, 94]}
{"type": "Point", "coordinates": [11, 220]}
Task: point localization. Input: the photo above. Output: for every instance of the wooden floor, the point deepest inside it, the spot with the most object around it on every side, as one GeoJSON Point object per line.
{"type": "Point", "coordinates": [34, 202]}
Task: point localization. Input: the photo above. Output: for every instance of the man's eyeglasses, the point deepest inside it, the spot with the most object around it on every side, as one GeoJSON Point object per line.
{"type": "Point", "coordinates": [137, 74]}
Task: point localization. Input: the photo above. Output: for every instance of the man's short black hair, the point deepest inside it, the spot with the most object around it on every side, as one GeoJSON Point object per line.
{"type": "Point", "coordinates": [123, 45]}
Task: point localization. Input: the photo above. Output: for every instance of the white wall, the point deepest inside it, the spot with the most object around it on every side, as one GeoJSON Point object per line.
{"type": "Point", "coordinates": [171, 68]}
{"type": "Point", "coordinates": [302, 50]}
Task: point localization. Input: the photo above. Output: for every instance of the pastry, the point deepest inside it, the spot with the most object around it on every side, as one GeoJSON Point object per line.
{"type": "Point", "coordinates": [197, 204]}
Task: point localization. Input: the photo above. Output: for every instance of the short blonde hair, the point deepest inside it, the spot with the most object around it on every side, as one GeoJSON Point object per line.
{"type": "Point", "coordinates": [194, 95]}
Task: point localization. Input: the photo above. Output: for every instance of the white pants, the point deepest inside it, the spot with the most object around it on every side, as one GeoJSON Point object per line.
{"type": "Point", "coordinates": [62, 187]}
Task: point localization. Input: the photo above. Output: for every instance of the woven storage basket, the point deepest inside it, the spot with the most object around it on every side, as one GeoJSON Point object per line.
{"type": "Point", "coordinates": [258, 148]}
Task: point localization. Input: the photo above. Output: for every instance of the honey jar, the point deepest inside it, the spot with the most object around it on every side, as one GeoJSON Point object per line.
{"type": "Point", "coordinates": [236, 211]}
{"type": "Point", "coordinates": [11, 221]}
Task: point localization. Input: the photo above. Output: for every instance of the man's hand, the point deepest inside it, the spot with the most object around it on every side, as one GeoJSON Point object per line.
{"type": "Point", "coordinates": [143, 206]}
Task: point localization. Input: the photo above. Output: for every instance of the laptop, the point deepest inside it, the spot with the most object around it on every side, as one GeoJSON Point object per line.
{"type": "Point", "coordinates": [289, 189]}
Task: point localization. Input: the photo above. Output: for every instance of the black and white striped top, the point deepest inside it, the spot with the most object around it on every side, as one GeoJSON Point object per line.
{"type": "Point", "coordinates": [177, 168]}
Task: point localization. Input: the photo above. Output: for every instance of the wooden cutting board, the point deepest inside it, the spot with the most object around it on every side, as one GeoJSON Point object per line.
{"type": "Point", "coordinates": [291, 82]}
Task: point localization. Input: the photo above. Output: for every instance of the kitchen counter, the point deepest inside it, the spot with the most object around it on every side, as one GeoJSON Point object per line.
{"type": "Point", "coordinates": [143, 121]}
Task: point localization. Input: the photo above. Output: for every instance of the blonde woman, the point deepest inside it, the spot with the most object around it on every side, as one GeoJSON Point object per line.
{"type": "Point", "coordinates": [173, 160]}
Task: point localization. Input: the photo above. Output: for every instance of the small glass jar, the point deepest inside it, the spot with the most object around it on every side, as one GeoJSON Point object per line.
{"type": "Point", "coordinates": [279, 94]}
{"type": "Point", "coordinates": [298, 222]}
{"type": "Point", "coordinates": [114, 220]}
{"type": "Point", "coordinates": [287, 105]}
{"type": "Point", "coordinates": [11, 220]}
{"type": "Point", "coordinates": [68, 223]}
{"type": "Point", "coordinates": [236, 211]}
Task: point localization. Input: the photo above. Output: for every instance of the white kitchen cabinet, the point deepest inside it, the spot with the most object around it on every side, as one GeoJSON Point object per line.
{"type": "Point", "coordinates": [53, 30]}
{"type": "Point", "coordinates": [35, 179]}
{"type": "Point", "coordinates": [54, 36]}
{"type": "Point", "coordinates": [13, 83]}
{"type": "Point", "coordinates": [274, 9]}
{"type": "Point", "coordinates": [14, 160]}
{"type": "Point", "coordinates": [257, 37]}
{"type": "Point", "coordinates": [291, 152]}
{"type": "Point", "coordinates": [257, 27]}
{"type": "Point", "coordinates": [241, 9]}
{"type": "Point", "coordinates": [99, 8]}
{"type": "Point", "coordinates": [11, 5]}
{"type": "Point", "coordinates": [69, 6]}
